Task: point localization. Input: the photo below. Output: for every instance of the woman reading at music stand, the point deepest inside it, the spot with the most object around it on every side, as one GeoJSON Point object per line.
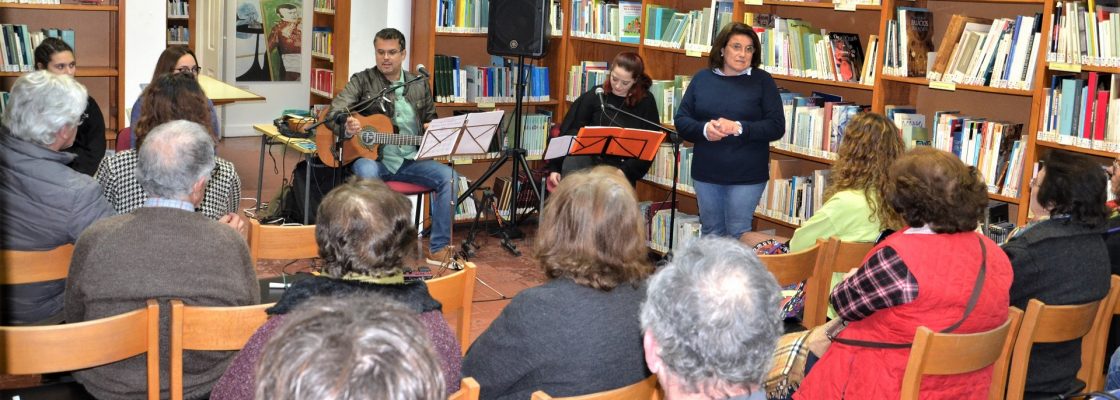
{"type": "Point", "coordinates": [628, 89]}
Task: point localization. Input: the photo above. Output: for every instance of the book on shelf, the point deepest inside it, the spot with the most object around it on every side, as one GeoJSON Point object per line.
{"type": "Point", "coordinates": [1085, 33]}
{"type": "Point", "coordinates": [457, 83]}
{"type": "Point", "coordinates": [847, 55]}
{"type": "Point", "coordinates": [661, 170]}
{"type": "Point", "coordinates": [686, 228]}
{"type": "Point", "coordinates": [534, 133]}
{"type": "Point", "coordinates": [1082, 111]}
{"type": "Point", "coordinates": [322, 40]}
{"type": "Point", "coordinates": [466, 210]}
{"type": "Point", "coordinates": [326, 5]}
{"type": "Point", "coordinates": [995, 148]}
{"type": "Point", "coordinates": [584, 77]}
{"type": "Point", "coordinates": [794, 191]}
{"type": "Point", "coordinates": [178, 9]}
{"type": "Point", "coordinates": [598, 19]}
{"type": "Point", "coordinates": [667, 93]}
{"type": "Point", "coordinates": [322, 81]}
{"type": "Point", "coordinates": [952, 36]}
{"type": "Point", "coordinates": [794, 47]}
{"type": "Point", "coordinates": [18, 42]}
{"type": "Point", "coordinates": [691, 30]}
{"type": "Point", "coordinates": [815, 125]}
{"type": "Point", "coordinates": [630, 14]}
{"type": "Point", "coordinates": [462, 16]}
{"type": "Point", "coordinates": [178, 35]}
{"type": "Point", "coordinates": [557, 18]}
{"type": "Point", "coordinates": [997, 53]}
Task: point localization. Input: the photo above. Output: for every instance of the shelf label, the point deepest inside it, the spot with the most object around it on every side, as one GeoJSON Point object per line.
{"type": "Point", "coordinates": [1065, 67]}
{"type": "Point", "coordinates": [939, 85]}
{"type": "Point", "coordinates": [693, 53]}
{"type": "Point", "coordinates": [486, 105]}
{"type": "Point", "coordinates": [752, 2]}
{"type": "Point", "coordinates": [844, 6]}
{"type": "Point", "coordinates": [462, 161]}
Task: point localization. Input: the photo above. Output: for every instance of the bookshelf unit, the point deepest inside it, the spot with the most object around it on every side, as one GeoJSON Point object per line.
{"type": "Point", "coordinates": [99, 32]}
{"type": "Point", "coordinates": [337, 61]}
{"type": "Point", "coordinates": [181, 22]}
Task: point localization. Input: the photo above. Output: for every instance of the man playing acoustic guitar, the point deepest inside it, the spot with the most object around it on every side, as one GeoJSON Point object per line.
{"type": "Point", "coordinates": [410, 108]}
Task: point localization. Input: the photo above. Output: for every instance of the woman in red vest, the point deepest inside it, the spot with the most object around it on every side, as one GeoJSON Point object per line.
{"type": "Point", "coordinates": [923, 275]}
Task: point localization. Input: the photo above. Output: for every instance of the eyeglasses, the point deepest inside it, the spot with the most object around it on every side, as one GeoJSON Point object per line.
{"type": "Point", "coordinates": [737, 48]}
{"type": "Point", "coordinates": [194, 70]}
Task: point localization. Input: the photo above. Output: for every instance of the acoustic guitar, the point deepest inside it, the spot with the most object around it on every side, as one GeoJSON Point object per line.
{"type": "Point", "coordinates": [377, 129]}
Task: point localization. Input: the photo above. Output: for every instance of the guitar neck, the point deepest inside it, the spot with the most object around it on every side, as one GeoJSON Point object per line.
{"type": "Point", "coordinates": [371, 138]}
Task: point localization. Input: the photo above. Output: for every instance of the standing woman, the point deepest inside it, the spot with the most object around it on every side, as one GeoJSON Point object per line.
{"type": "Point", "coordinates": [627, 89]}
{"type": "Point", "coordinates": [731, 112]}
{"type": "Point", "coordinates": [56, 56]}
{"type": "Point", "coordinates": [175, 60]}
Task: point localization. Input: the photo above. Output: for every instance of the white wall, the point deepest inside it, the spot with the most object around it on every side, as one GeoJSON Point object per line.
{"type": "Point", "coordinates": [368, 17]}
{"type": "Point", "coordinates": [145, 38]}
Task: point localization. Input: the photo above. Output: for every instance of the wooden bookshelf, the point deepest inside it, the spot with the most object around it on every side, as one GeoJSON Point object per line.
{"type": "Point", "coordinates": [338, 20]}
{"type": "Point", "coordinates": [99, 32]}
{"type": "Point", "coordinates": [182, 21]}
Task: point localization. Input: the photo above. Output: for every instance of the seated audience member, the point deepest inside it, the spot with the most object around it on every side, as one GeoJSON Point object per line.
{"type": "Point", "coordinates": [710, 322]}
{"type": "Point", "coordinates": [43, 203]}
{"type": "Point", "coordinates": [365, 235]}
{"type": "Point", "coordinates": [923, 275]}
{"type": "Point", "coordinates": [55, 56]}
{"type": "Point", "coordinates": [1112, 240]}
{"type": "Point", "coordinates": [163, 250]}
{"type": "Point", "coordinates": [350, 348]}
{"type": "Point", "coordinates": [174, 60]}
{"type": "Point", "coordinates": [578, 333]}
{"type": "Point", "coordinates": [1061, 259]}
{"type": "Point", "coordinates": [169, 98]}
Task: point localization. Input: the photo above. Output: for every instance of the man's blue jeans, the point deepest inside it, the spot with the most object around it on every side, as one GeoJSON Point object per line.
{"type": "Point", "coordinates": [727, 210]}
{"type": "Point", "coordinates": [435, 175]}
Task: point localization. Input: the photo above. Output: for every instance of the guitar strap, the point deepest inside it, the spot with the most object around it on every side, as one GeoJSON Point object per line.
{"type": "Point", "coordinates": [973, 298]}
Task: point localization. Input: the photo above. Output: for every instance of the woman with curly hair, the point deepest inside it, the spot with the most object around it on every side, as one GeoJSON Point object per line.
{"type": "Point", "coordinates": [365, 235]}
{"type": "Point", "coordinates": [171, 97]}
{"type": "Point", "coordinates": [924, 275]}
{"type": "Point", "coordinates": [1061, 259]}
{"type": "Point", "coordinates": [853, 210]}
{"type": "Point", "coordinates": [578, 333]}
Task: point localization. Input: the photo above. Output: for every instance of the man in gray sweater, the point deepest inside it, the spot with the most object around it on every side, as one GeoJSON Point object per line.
{"type": "Point", "coordinates": [162, 251]}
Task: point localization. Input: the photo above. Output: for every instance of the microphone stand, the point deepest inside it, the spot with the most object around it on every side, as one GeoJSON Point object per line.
{"type": "Point", "coordinates": [676, 140]}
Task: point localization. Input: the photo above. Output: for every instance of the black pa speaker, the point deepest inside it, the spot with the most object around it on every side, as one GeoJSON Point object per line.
{"type": "Point", "coordinates": [518, 28]}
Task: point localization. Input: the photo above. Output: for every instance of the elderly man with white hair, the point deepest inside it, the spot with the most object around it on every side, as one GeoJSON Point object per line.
{"type": "Point", "coordinates": [163, 250]}
{"type": "Point", "coordinates": [711, 322]}
{"type": "Point", "coordinates": [43, 203]}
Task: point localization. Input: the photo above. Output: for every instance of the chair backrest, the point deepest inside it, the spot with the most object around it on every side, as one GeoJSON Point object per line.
{"type": "Point", "coordinates": [644, 389]}
{"type": "Point", "coordinates": [1094, 344]}
{"type": "Point", "coordinates": [468, 390]}
{"type": "Point", "coordinates": [1045, 324]}
{"type": "Point", "coordinates": [19, 267]}
{"type": "Point", "coordinates": [936, 353]}
{"type": "Point", "coordinates": [70, 347]}
{"type": "Point", "coordinates": [456, 293]}
{"type": "Point", "coordinates": [209, 329]}
{"type": "Point", "coordinates": [796, 267]}
{"type": "Point", "coordinates": [836, 256]}
{"type": "Point", "coordinates": [124, 139]}
{"type": "Point", "coordinates": [274, 242]}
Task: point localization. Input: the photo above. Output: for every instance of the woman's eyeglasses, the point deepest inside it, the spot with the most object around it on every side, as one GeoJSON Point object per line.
{"type": "Point", "coordinates": [193, 70]}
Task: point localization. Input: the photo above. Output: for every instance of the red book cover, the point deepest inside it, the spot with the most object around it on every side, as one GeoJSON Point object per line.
{"type": "Point", "coordinates": [1102, 115]}
{"type": "Point", "coordinates": [1089, 101]}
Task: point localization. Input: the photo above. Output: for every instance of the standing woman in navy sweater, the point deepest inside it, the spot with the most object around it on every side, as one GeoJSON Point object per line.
{"type": "Point", "coordinates": [731, 112]}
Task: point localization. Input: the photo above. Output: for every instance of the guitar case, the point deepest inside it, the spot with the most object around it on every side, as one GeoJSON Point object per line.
{"type": "Point", "coordinates": [323, 179]}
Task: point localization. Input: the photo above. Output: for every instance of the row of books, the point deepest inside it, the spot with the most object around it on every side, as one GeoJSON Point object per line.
{"type": "Point", "coordinates": [178, 35]}
{"type": "Point", "coordinates": [503, 191]}
{"type": "Point", "coordinates": [534, 133]}
{"type": "Point", "coordinates": [18, 42]}
{"type": "Point", "coordinates": [793, 193]}
{"type": "Point", "coordinates": [322, 82]}
{"type": "Point", "coordinates": [462, 16]}
{"type": "Point", "coordinates": [692, 30]}
{"type": "Point", "coordinates": [1083, 112]}
{"type": "Point", "coordinates": [661, 172]}
{"type": "Point", "coordinates": [467, 209]}
{"type": "Point", "coordinates": [455, 83]}
{"type": "Point", "coordinates": [598, 19]}
{"type": "Point", "coordinates": [668, 94]}
{"type": "Point", "coordinates": [322, 42]}
{"type": "Point", "coordinates": [815, 123]}
{"type": "Point", "coordinates": [794, 47]}
{"type": "Point", "coordinates": [995, 148]}
{"type": "Point", "coordinates": [685, 229]}
{"type": "Point", "coordinates": [585, 76]}
{"type": "Point", "coordinates": [1085, 34]}
{"type": "Point", "coordinates": [178, 9]}
{"type": "Point", "coordinates": [909, 42]}
{"type": "Point", "coordinates": [998, 53]}
{"type": "Point", "coordinates": [325, 5]}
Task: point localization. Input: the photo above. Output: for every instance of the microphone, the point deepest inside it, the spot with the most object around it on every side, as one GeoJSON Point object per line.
{"type": "Point", "coordinates": [602, 104]}
{"type": "Point", "coordinates": [422, 70]}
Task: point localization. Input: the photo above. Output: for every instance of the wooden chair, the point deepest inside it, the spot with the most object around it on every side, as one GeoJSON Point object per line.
{"type": "Point", "coordinates": [70, 347]}
{"type": "Point", "coordinates": [797, 267]}
{"type": "Point", "coordinates": [468, 390]}
{"type": "Point", "coordinates": [645, 389]}
{"type": "Point", "coordinates": [837, 257]}
{"type": "Point", "coordinates": [1046, 324]}
{"type": "Point", "coordinates": [1093, 346]}
{"type": "Point", "coordinates": [209, 329]}
{"type": "Point", "coordinates": [273, 242]}
{"type": "Point", "coordinates": [456, 293]}
{"type": "Point", "coordinates": [948, 354]}
{"type": "Point", "coordinates": [21, 267]}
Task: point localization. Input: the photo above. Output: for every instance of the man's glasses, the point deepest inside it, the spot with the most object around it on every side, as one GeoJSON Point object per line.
{"type": "Point", "coordinates": [193, 70]}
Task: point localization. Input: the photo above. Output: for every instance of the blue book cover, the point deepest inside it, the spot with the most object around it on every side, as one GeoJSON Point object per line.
{"type": "Point", "coordinates": [1071, 90]}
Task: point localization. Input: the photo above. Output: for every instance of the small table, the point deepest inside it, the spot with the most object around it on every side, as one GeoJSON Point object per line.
{"type": "Point", "coordinates": [305, 146]}
{"type": "Point", "coordinates": [222, 93]}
